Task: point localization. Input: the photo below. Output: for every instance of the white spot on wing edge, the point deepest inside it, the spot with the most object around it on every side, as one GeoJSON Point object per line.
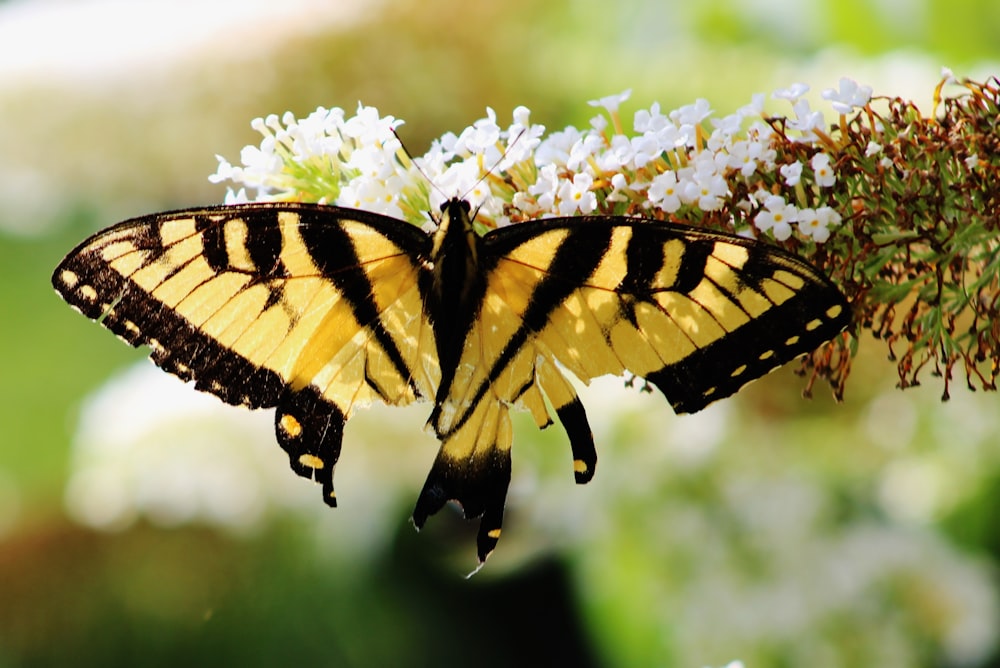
{"type": "Point", "coordinates": [68, 278]}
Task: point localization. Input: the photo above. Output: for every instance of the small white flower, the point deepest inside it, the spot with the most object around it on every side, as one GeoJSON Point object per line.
{"type": "Point", "coordinates": [366, 127]}
{"type": "Point", "coordinates": [663, 192]}
{"type": "Point", "coordinates": [777, 216]}
{"type": "Point", "coordinates": [522, 139]}
{"type": "Point", "coordinates": [692, 114]}
{"type": "Point", "coordinates": [611, 102]}
{"type": "Point", "coordinates": [618, 184]}
{"type": "Point", "coordinates": [815, 223]}
{"type": "Point", "coordinates": [238, 197]}
{"type": "Point", "coordinates": [651, 120]}
{"type": "Point", "coordinates": [743, 155]}
{"type": "Point", "coordinates": [621, 153]}
{"type": "Point", "coordinates": [224, 172]}
{"type": "Point", "coordinates": [480, 138]}
{"type": "Point", "coordinates": [583, 151]}
{"type": "Point", "coordinates": [823, 171]}
{"type": "Point", "coordinates": [260, 164]}
{"type": "Point", "coordinates": [709, 190]}
{"type": "Point", "coordinates": [373, 194]}
{"type": "Point", "coordinates": [792, 173]}
{"type": "Point", "coordinates": [554, 149]}
{"type": "Point", "coordinates": [792, 93]}
{"type": "Point", "coordinates": [576, 196]}
{"type": "Point", "coordinates": [545, 186]}
{"type": "Point", "coordinates": [848, 97]}
{"type": "Point", "coordinates": [754, 108]}
{"type": "Point", "coordinates": [806, 121]}
{"type": "Point", "coordinates": [972, 161]}
{"type": "Point", "coordinates": [317, 134]}
{"type": "Point", "coordinates": [873, 148]}
{"type": "Point", "coordinates": [643, 150]}
{"type": "Point", "coordinates": [728, 126]}
{"type": "Point", "coordinates": [525, 203]}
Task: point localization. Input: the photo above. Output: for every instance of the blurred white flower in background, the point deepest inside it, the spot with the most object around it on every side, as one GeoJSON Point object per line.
{"type": "Point", "coordinates": [148, 446]}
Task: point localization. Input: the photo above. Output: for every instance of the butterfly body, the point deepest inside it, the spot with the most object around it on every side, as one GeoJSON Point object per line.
{"type": "Point", "coordinates": [319, 310]}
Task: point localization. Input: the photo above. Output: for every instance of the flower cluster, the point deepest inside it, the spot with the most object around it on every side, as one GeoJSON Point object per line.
{"type": "Point", "coordinates": [900, 209]}
{"type": "Point", "coordinates": [668, 167]}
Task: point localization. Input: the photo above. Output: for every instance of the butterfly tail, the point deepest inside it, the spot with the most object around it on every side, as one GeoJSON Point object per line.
{"type": "Point", "coordinates": [472, 468]}
{"type": "Point", "coordinates": [311, 430]}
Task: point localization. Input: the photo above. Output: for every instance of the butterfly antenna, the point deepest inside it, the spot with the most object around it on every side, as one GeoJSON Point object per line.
{"type": "Point", "coordinates": [416, 166]}
{"type": "Point", "coordinates": [475, 185]}
{"type": "Point", "coordinates": [496, 164]}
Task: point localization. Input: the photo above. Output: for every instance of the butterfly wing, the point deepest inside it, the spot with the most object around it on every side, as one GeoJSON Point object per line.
{"type": "Point", "coordinates": [315, 310]}
{"type": "Point", "coordinates": [697, 314]}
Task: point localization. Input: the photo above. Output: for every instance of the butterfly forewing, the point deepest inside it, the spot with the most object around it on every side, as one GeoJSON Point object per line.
{"type": "Point", "coordinates": [696, 313]}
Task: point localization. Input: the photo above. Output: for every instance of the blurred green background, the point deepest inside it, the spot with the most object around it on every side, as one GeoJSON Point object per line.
{"type": "Point", "coordinates": [143, 524]}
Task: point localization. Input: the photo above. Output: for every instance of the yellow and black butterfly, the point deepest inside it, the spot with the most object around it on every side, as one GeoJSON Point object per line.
{"type": "Point", "coordinates": [319, 310]}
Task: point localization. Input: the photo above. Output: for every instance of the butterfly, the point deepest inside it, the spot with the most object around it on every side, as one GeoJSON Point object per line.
{"type": "Point", "coordinates": [318, 310]}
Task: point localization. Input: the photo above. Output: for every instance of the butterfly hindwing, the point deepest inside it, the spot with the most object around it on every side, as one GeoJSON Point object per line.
{"type": "Point", "coordinates": [315, 310]}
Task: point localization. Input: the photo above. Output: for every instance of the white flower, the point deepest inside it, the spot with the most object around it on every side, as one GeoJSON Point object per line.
{"type": "Point", "coordinates": [522, 139]}
{"type": "Point", "coordinates": [777, 216]}
{"type": "Point", "coordinates": [618, 184]}
{"type": "Point", "coordinates": [576, 196]}
{"type": "Point", "coordinates": [663, 192]}
{"type": "Point", "coordinates": [821, 168]}
{"type": "Point", "coordinates": [792, 173]}
{"type": "Point", "coordinates": [373, 194]}
{"type": "Point", "coordinates": [651, 120]}
{"type": "Point", "coordinates": [318, 134]}
{"type": "Point", "coordinates": [873, 148]}
{"type": "Point", "coordinates": [849, 96]}
{"type": "Point", "coordinates": [743, 155]}
{"type": "Point", "coordinates": [366, 127]}
{"type": "Point", "coordinates": [643, 150]}
{"type": "Point", "coordinates": [545, 186]}
{"type": "Point", "coordinates": [706, 187]}
{"type": "Point", "coordinates": [611, 102]}
{"type": "Point", "coordinates": [792, 93]}
{"type": "Point", "coordinates": [692, 114]}
{"type": "Point", "coordinates": [481, 138]}
{"type": "Point", "coordinates": [237, 197]}
{"type": "Point", "coordinates": [525, 203]}
{"type": "Point", "coordinates": [754, 108]}
{"type": "Point", "coordinates": [806, 121]}
{"type": "Point", "coordinates": [555, 148]}
{"type": "Point", "coordinates": [972, 161]}
{"type": "Point", "coordinates": [728, 125]}
{"type": "Point", "coordinates": [583, 151]}
{"type": "Point", "coordinates": [815, 223]}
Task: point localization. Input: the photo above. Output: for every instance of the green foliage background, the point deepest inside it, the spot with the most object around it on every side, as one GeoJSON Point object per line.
{"type": "Point", "coordinates": [614, 590]}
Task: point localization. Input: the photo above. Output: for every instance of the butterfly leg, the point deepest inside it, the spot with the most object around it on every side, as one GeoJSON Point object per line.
{"type": "Point", "coordinates": [311, 430]}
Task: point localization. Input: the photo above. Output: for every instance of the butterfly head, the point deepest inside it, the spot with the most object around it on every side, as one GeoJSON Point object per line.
{"type": "Point", "coordinates": [455, 234]}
